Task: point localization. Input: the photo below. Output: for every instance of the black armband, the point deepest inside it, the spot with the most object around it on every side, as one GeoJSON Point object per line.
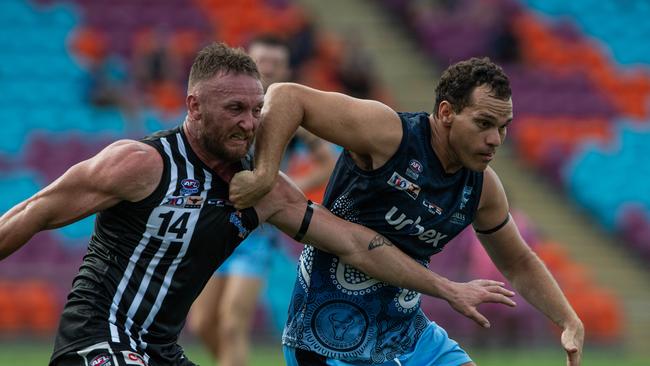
{"type": "Point", "coordinates": [494, 229]}
{"type": "Point", "coordinates": [304, 225]}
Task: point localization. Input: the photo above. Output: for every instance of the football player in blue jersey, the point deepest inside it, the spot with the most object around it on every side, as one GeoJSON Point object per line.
{"type": "Point", "coordinates": [418, 179]}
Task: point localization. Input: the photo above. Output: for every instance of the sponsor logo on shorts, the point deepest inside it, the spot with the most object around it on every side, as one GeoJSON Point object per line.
{"type": "Point", "coordinates": [189, 186]}
{"type": "Point", "coordinates": [432, 207]}
{"type": "Point", "coordinates": [235, 219]}
{"type": "Point", "coordinates": [415, 169]}
{"type": "Point", "coordinates": [404, 184]}
{"type": "Point", "coordinates": [101, 360]}
{"type": "Point", "coordinates": [132, 358]}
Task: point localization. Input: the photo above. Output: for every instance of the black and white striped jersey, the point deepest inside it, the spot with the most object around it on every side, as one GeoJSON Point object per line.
{"type": "Point", "coordinates": [147, 261]}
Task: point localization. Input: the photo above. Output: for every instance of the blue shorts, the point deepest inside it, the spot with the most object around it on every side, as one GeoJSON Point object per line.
{"type": "Point", "coordinates": [434, 348]}
{"type": "Point", "coordinates": [252, 258]}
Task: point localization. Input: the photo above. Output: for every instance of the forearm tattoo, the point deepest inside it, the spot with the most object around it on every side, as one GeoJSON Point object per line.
{"type": "Point", "coordinates": [379, 241]}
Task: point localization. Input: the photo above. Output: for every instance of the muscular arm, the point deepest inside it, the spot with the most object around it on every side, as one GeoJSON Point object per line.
{"type": "Point", "coordinates": [521, 266]}
{"type": "Point", "coordinates": [372, 253]}
{"type": "Point", "coordinates": [125, 170]}
{"type": "Point", "coordinates": [370, 130]}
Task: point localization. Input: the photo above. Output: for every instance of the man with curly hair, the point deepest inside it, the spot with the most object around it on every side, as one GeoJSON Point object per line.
{"type": "Point", "coordinates": [419, 179]}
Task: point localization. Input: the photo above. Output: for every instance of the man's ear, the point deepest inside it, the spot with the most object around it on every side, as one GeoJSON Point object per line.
{"type": "Point", "coordinates": [445, 113]}
{"type": "Point", "coordinates": [192, 103]}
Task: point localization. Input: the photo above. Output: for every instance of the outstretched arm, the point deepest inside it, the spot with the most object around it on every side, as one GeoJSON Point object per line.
{"type": "Point", "coordinates": [372, 253]}
{"type": "Point", "coordinates": [125, 170]}
{"type": "Point", "coordinates": [521, 266]}
{"type": "Point", "coordinates": [368, 129]}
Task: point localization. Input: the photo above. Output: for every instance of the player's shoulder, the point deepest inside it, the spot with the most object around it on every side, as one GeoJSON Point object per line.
{"type": "Point", "coordinates": [132, 151]}
{"type": "Point", "coordinates": [490, 174]}
{"type": "Point", "coordinates": [130, 161]}
{"type": "Point", "coordinates": [492, 191]}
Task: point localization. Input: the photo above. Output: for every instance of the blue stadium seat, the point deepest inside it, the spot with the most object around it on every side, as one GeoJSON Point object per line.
{"type": "Point", "coordinates": [16, 187]}
{"type": "Point", "coordinates": [627, 179]}
{"type": "Point", "coordinates": [609, 21]}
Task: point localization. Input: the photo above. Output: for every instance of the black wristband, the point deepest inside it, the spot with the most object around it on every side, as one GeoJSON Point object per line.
{"type": "Point", "coordinates": [305, 221]}
{"type": "Point", "coordinates": [496, 228]}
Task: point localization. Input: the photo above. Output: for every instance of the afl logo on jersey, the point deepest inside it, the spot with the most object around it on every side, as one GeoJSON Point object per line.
{"type": "Point", "coordinates": [189, 186]}
{"type": "Point", "coordinates": [101, 360]}
{"type": "Point", "coordinates": [415, 169]}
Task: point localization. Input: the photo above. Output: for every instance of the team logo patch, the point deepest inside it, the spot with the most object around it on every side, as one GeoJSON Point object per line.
{"type": "Point", "coordinates": [432, 207]}
{"type": "Point", "coordinates": [132, 358]}
{"type": "Point", "coordinates": [457, 218]}
{"type": "Point", "coordinates": [467, 191]}
{"type": "Point", "coordinates": [235, 219]}
{"type": "Point", "coordinates": [101, 360]}
{"type": "Point", "coordinates": [415, 169]}
{"type": "Point", "coordinates": [404, 184]}
{"type": "Point", "coordinates": [174, 201]}
{"type": "Point", "coordinates": [340, 325]}
{"type": "Point", "coordinates": [184, 201]}
{"type": "Point", "coordinates": [194, 202]}
{"type": "Point", "coordinates": [189, 186]}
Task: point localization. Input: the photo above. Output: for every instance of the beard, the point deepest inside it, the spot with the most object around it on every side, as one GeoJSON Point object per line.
{"type": "Point", "coordinates": [217, 148]}
{"type": "Point", "coordinates": [215, 141]}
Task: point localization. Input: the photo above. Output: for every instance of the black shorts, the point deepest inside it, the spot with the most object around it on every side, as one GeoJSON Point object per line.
{"type": "Point", "coordinates": [107, 354]}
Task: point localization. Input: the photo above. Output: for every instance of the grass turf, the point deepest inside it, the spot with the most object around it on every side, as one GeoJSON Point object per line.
{"type": "Point", "coordinates": [37, 354]}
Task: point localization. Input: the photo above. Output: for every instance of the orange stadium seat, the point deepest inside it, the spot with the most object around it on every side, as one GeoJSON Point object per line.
{"type": "Point", "coordinates": [28, 306]}
{"type": "Point", "coordinates": [38, 310]}
{"type": "Point", "coordinates": [88, 43]}
{"type": "Point", "coordinates": [167, 96]}
{"type": "Point", "coordinates": [628, 92]}
{"type": "Point", "coordinates": [9, 308]}
{"type": "Point", "coordinates": [599, 310]}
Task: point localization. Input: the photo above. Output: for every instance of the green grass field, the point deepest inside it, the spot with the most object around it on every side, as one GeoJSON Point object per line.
{"type": "Point", "coordinates": [37, 354]}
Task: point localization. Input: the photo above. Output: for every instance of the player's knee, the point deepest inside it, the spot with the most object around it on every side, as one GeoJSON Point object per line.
{"type": "Point", "coordinates": [202, 322]}
{"type": "Point", "coordinates": [236, 313]}
{"type": "Point", "coordinates": [231, 328]}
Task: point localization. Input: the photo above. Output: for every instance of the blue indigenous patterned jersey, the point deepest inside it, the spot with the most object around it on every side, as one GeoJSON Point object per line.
{"type": "Point", "coordinates": [342, 313]}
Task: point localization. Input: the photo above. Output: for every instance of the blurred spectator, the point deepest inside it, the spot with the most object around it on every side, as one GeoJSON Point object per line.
{"type": "Point", "coordinates": [302, 43]}
{"type": "Point", "coordinates": [356, 71]}
{"type": "Point", "coordinates": [108, 83]}
{"type": "Point", "coordinates": [157, 70]}
{"type": "Point", "coordinates": [505, 45]}
{"type": "Point", "coordinates": [153, 62]}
